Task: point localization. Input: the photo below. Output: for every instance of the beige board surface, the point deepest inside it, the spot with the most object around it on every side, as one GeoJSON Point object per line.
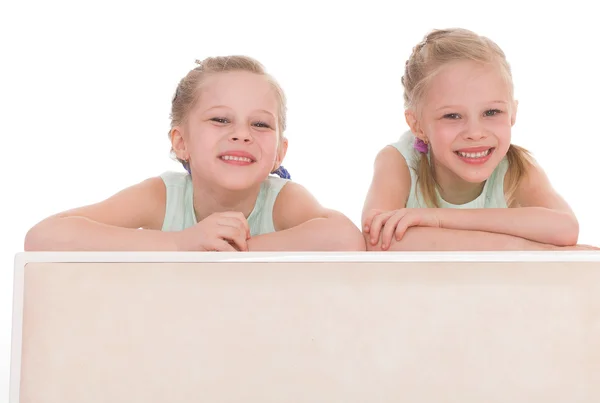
{"type": "Point", "coordinates": [311, 332]}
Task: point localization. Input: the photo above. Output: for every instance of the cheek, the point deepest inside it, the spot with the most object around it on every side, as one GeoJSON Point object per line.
{"type": "Point", "coordinates": [501, 128]}
{"type": "Point", "coordinates": [268, 143]}
{"type": "Point", "coordinates": [443, 135]}
{"type": "Point", "coordinates": [198, 142]}
{"type": "Point", "coordinates": [202, 143]}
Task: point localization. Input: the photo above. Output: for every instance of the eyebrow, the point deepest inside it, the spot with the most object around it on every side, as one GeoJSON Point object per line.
{"type": "Point", "coordinates": [216, 107]}
{"type": "Point", "coordinates": [226, 107]}
{"type": "Point", "coordinates": [457, 106]}
{"type": "Point", "coordinates": [266, 111]}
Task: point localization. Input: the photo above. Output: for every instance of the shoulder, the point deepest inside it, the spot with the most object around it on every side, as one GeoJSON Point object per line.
{"type": "Point", "coordinates": [398, 158]}
{"type": "Point", "coordinates": [535, 189]}
{"type": "Point", "coordinates": [533, 179]}
{"type": "Point", "coordinates": [294, 205]}
{"type": "Point", "coordinates": [405, 146]}
{"type": "Point", "coordinates": [274, 184]}
{"type": "Point", "coordinates": [520, 173]}
{"type": "Point", "coordinates": [390, 183]}
{"type": "Point", "coordinates": [141, 205]}
{"type": "Point", "coordinates": [172, 178]}
{"type": "Point", "coordinates": [391, 168]}
{"type": "Point", "coordinates": [149, 197]}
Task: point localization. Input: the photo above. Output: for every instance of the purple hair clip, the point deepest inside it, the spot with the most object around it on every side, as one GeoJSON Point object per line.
{"type": "Point", "coordinates": [421, 146]}
{"type": "Point", "coordinates": [282, 173]}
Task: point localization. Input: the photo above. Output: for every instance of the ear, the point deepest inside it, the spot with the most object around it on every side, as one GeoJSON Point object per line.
{"type": "Point", "coordinates": [413, 124]}
{"type": "Point", "coordinates": [178, 143]}
{"type": "Point", "coordinates": [281, 152]}
{"type": "Point", "coordinates": [513, 115]}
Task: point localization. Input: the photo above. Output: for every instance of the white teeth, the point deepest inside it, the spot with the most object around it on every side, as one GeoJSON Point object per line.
{"type": "Point", "coordinates": [474, 155]}
{"type": "Point", "coordinates": [232, 158]}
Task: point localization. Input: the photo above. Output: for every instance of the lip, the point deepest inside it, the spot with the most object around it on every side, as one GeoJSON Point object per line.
{"type": "Point", "coordinates": [238, 153]}
{"type": "Point", "coordinates": [474, 149]}
{"type": "Point", "coordinates": [475, 161]}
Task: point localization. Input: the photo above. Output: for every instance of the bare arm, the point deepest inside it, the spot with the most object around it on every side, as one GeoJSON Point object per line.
{"type": "Point", "coordinates": [302, 224]}
{"type": "Point", "coordinates": [111, 225]}
{"type": "Point", "coordinates": [390, 185]}
{"type": "Point", "coordinates": [542, 216]}
{"type": "Point", "coordinates": [390, 188]}
{"type": "Point", "coordinates": [441, 239]}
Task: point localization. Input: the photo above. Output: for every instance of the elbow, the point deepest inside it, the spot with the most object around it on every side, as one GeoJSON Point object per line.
{"type": "Point", "coordinates": [351, 240]}
{"type": "Point", "coordinates": [33, 240]}
{"type": "Point", "coordinates": [347, 237]}
{"type": "Point", "coordinates": [569, 234]}
{"type": "Point", "coordinates": [43, 236]}
{"type": "Point", "coordinates": [356, 243]}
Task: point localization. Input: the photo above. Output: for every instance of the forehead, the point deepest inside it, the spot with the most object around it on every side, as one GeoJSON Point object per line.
{"type": "Point", "coordinates": [467, 82]}
{"type": "Point", "coordinates": [238, 89]}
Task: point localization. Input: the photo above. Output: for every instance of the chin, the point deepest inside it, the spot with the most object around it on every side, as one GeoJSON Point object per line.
{"type": "Point", "coordinates": [241, 182]}
{"type": "Point", "coordinates": [476, 178]}
{"type": "Point", "coordinates": [234, 185]}
{"type": "Point", "coordinates": [476, 175]}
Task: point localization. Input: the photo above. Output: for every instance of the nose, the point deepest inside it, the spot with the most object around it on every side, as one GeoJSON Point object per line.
{"type": "Point", "coordinates": [241, 134]}
{"type": "Point", "coordinates": [475, 131]}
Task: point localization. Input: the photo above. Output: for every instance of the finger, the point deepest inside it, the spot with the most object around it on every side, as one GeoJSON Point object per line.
{"type": "Point", "coordinates": [235, 235]}
{"type": "Point", "coordinates": [369, 218]}
{"type": "Point", "coordinates": [377, 224]}
{"type": "Point", "coordinates": [220, 245]}
{"type": "Point", "coordinates": [235, 222]}
{"type": "Point", "coordinates": [409, 220]}
{"type": "Point", "coordinates": [401, 229]}
{"type": "Point", "coordinates": [240, 217]}
{"type": "Point", "coordinates": [387, 232]}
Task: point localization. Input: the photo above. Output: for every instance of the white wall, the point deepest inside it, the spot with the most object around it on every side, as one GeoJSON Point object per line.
{"type": "Point", "coordinates": [85, 90]}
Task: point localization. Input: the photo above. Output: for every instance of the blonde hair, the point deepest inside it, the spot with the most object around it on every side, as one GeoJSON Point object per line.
{"type": "Point", "coordinates": [438, 48]}
{"type": "Point", "coordinates": [188, 90]}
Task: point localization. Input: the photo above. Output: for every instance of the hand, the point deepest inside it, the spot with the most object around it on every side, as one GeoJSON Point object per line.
{"type": "Point", "coordinates": [396, 222]}
{"type": "Point", "coordinates": [219, 232]}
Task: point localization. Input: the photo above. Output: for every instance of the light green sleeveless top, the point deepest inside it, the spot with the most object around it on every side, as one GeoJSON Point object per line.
{"type": "Point", "coordinates": [492, 195]}
{"type": "Point", "coordinates": [179, 213]}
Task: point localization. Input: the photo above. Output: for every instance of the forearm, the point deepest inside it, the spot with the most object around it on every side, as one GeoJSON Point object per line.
{"type": "Point", "coordinates": [318, 234]}
{"type": "Point", "coordinates": [441, 239]}
{"type": "Point", "coordinates": [82, 234]}
{"type": "Point", "coordinates": [537, 224]}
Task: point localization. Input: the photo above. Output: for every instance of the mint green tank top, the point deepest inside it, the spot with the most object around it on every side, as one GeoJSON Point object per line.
{"type": "Point", "coordinates": [179, 213]}
{"type": "Point", "coordinates": [492, 195]}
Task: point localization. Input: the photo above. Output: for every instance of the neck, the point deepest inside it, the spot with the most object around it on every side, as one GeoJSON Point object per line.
{"type": "Point", "coordinates": [454, 189]}
{"type": "Point", "coordinates": [210, 199]}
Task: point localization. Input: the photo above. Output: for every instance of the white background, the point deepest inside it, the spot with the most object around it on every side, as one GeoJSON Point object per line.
{"type": "Point", "coordinates": [85, 90]}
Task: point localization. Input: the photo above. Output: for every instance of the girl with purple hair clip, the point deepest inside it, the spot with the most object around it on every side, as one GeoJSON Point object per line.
{"type": "Point", "coordinates": [455, 181]}
{"type": "Point", "coordinates": [227, 122]}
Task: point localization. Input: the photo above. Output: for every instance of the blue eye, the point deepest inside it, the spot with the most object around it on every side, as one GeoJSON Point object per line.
{"type": "Point", "coordinates": [492, 112]}
{"type": "Point", "coordinates": [262, 124]}
{"type": "Point", "coordinates": [220, 120]}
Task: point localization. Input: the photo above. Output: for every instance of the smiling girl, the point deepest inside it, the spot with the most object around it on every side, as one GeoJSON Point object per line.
{"type": "Point", "coordinates": [228, 117]}
{"type": "Point", "coordinates": [455, 181]}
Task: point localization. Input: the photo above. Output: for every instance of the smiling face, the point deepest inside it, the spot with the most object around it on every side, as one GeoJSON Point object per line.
{"type": "Point", "coordinates": [466, 115]}
{"type": "Point", "coordinates": [231, 136]}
